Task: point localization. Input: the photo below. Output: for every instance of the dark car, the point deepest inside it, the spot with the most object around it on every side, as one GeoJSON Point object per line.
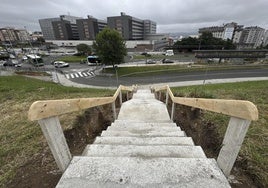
{"type": "Point", "coordinates": [146, 54]}
{"type": "Point", "coordinates": [167, 61]}
{"type": "Point", "coordinates": [12, 63]}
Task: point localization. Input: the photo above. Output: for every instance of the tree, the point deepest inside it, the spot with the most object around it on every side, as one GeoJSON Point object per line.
{"type": "Point", "coordinates": [205, 42]}
{"type": "Point", "coordinates": [110, 47]}
{"type": "Point", "coordinates": [83, 49]}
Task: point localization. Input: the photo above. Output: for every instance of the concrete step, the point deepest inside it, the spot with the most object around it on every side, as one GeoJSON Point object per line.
{"type": "Point", "coordinates": [138, 133]}
{"type": "Point", "coordinates": [126, 123]}
{"type": "Point", "coordinates": [99, 150]}
{"type": "Point", "coordinates": [144, 129]}
{"type": "Point", "coordinates": [136, 172]}
{"type": "Point", "coordinates": [142, 121]}
{"type": "Point", "coordinates": [144, 111]}
{"type": "Point", "coordinates": [145, 141]}
{"type": "Point", "coordinates": [143, 94]}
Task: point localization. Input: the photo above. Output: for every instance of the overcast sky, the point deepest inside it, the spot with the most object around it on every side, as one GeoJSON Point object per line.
{"type": "Point", "coordinates": [170, 15]}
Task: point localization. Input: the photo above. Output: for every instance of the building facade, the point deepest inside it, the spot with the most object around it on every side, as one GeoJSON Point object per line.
{"type": "Point", "coordinates": [217, 31]}
{"type": "Point", "coordinates": [90, 27]}
{"type": "Point", "coordinates": [63, 22]}
{"type": "Point", "coordinates": [149, 27]}
{"type": "Point", "coordinates": [131, 28]}
{"type": "Point", "coordinates": [231, 31]}
{"type": "Point", "coordinates": [62, 30]}
{"type": "Point", "coordinates": [244, 38]}
{"type": "Point", "coordinates": [252, 37]}
{"type": "Point", "coordinates": [47, 28]}
{"type": "Point", "coordinates": [265, 38]}
{"type": "Point", "coordinates": [9, 34]}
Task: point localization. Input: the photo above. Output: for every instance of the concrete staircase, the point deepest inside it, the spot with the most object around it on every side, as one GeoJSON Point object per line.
{"type": "Point", "coordinates": [143, 148]}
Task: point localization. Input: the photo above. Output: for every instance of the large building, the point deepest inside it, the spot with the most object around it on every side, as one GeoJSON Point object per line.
{"type": "Point", "coordinates": [265, 38]}
{"type": "Point", "coordinates": [229, 31]}
{"type": "Point", "coordinates": [68, 27]}
{"type": "Point", "coordinates": [9, 34]}
{"type": "Point", "coordinates": [217, 31]}
{"type": "Point", "coordinates": [64, 27]}
{"type": "Point", "coordinates": [89, 28]}
{"type": "Point", "coordinates": [244, 38]}
{"type": "Point", "coordinates": [131, 28]}
{"type": "Point", "coordinates": [47, 28]}
{"type": "Point", "coordinates": [62, 30]}
{"type": "Point", "coordinates": [252, 37]}
{"type": "Point", "coordinates": [149, 27]}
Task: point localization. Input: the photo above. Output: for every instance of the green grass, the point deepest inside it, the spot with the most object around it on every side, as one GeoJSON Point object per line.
{"type": "Point", "coordinates": [164, 69]}
{"type": "Point", "coordinates": [71, 59]}
{"type": "Point", "coordinates": [19, 138]}
{"type": "Point", "coordinates": [255, 146]}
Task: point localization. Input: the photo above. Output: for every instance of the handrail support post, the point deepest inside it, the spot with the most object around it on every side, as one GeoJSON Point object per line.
{"type": "Point", "coordinates": [172, 111]}
{"type": "Point", "coordinates": [120, 97]}
{"type": "Point", "coordinates": [54, 135]}
{"type": "Point", "coordinates": [167, 98]}
{"type": "Point", "coordinates": [233, 139]}
{"type": "Point", "coordinates": [114, 110]}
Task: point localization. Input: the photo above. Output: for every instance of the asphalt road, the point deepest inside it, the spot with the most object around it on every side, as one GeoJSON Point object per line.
{"type": "Point", "coordinates": [111, 81]}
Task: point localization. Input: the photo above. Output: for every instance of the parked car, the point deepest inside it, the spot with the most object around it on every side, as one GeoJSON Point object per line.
{"type": "Point", "coordinates": [167, 61]}
{"type": "Point", "coordinates": [2, 62]}
{"type": "Point", "coordinates": [146, 54]}
{"type": "Point", "coordinates": [24, 58]}
{"type": "Point", "coordinates": [150, 61]}
{"type": "Point", "coordinates": [12, 63]}
{"type": "Point", "coordinates": [61, 64]}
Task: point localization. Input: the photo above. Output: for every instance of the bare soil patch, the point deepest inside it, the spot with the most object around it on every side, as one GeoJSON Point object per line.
{"type": "Point", "coordinates": [41, 170]}
{"type": "Point", "coordinates": [204, 134]}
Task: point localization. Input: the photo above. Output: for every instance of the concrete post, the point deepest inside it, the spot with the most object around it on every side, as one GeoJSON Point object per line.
{"type": "Point", "coordinates": [167, 98]}
{"type": "Point", "coordinates": [56, 140]}
{"type": "Point", "coordinates": [172, 111]}
{"type": "Point", "coordinates": [233, 139]}
{"type": "Point", "coordinates": [114, 110]}
{"type": "Point", "coordinates": [120, 98]}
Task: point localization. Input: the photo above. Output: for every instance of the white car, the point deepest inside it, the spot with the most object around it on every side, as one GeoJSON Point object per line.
{"type": "Point", "coordinates": [60, 64]}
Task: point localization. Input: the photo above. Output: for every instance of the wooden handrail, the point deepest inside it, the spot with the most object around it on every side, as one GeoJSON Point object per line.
{"type": "Point", "coordinates": [241, 112]}
{"type": "Point", "coordinates": [47, 112]}
{"type": "Point", "coordinates": [236, 108]}
{"type": "Point", "coordinates": [49, 108]}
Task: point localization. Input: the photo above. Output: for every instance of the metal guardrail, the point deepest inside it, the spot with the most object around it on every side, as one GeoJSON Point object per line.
{"type": "Point", "coordinates": [241, 112]}
{"type": "Point", "coordinates": [47, 112]}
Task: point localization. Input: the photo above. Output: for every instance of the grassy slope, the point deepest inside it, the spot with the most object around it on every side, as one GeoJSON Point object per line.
{"type": "Point", "coordinates": [71, 59]}
{"type": "Point", "coordinates": [20, 138]}
{"type": "Point", "coordinates": [255, 146]}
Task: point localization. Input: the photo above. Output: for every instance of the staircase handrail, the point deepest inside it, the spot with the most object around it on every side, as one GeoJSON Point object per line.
{"type": "Point", "coordinates": [47, 112]}
{"type": "Point", "coordinates": [242, 113]}
{"type": "Point", "coordinates": [236, 108]}
{"type": "Point", "coordinates": [49, 108]}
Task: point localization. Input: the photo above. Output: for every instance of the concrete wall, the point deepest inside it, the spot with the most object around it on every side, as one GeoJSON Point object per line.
{"type": "Point", "coordinates": [73, 43]}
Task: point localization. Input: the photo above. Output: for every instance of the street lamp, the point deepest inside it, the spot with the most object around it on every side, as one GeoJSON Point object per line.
{"type": "Point", "coordinates": [116, 74]}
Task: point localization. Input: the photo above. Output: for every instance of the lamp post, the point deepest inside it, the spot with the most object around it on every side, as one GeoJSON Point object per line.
{"type": "Point", "coordinates": [116, 74]}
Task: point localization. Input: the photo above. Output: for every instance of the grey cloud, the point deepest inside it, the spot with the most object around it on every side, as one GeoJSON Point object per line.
{"type": "Point", "coordinates": [170, 15]}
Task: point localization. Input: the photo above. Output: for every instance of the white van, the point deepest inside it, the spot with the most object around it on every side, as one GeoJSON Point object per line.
{"type": "Point", "coordinates": [169, 53]}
